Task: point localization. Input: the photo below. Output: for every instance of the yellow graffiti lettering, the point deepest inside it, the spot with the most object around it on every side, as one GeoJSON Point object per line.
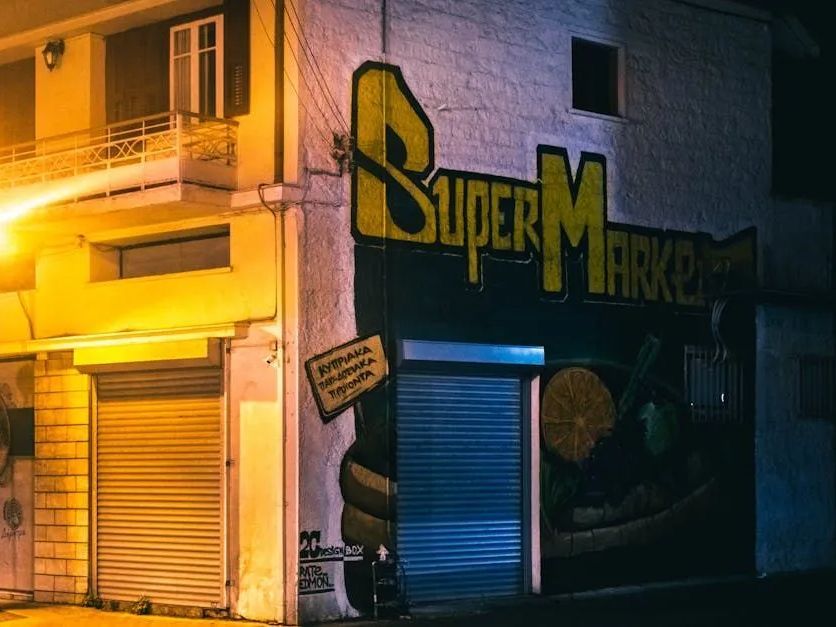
{"type": "Point", "coordinates": [393, 151]}
{"type": "Point", "coordinates": [562, 215]}
{"type": "Point", "coordinates": [685, 269]}
{"type": "Point", "coordinates": [500, 237]}
{"type": "Point", "coordinates": [526, 216]}
{"type": "Point", "coordinates": [450, 222]}
{"type": "Point", "coordinates": [640, 266]}
{"type": "Point", "coordinates": [572, 214]}
{"type": "Point", "coordinates": [659, 261]}
{"type": "Point", "coordinates": [618, 266]}
{"type": "Point", "coordinates": [478, 194]}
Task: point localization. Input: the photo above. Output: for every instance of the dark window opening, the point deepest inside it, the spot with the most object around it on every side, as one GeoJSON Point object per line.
{"type": "Point", "coordinates": [594, 77]}
{"type": "Point", "coordinates": [816, 385]}
{"type": "Point", "coordinates": [184, 251]}
{"type": "Point", "coordinates": [177, 255]}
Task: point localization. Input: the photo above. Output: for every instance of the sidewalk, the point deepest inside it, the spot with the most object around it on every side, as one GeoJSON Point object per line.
{"type": "Point", "coordinates": [24, 614]}
{"type": "Point", "coordinates": [779, 601]}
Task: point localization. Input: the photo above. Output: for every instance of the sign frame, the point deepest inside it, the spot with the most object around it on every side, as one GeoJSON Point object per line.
{"type": "Point", "coordinates": [328, 413]}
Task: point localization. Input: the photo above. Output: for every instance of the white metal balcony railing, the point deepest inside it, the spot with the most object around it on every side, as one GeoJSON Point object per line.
{"type": "Point", "coordinates": [170, 147]}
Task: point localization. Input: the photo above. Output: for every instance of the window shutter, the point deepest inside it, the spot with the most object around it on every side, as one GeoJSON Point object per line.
{"type": "Point", "coordinates": [236, 57]}
{"type": "Point", "coordinates": [136, 73]}
{"type": "Point", "coordinates": [460, 486]}
{"type": "Point", "coordinates": [159, 487]}
{"type": "Point", "coordinates": [816, 383]}
{"type": "Point", "coordinates": [714, 390]}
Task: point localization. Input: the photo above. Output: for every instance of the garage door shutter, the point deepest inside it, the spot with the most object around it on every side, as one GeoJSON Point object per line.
{"type": "Point", "coordinates": [159, 456]}
{"type": "Point", "coordinates": [459, 486]}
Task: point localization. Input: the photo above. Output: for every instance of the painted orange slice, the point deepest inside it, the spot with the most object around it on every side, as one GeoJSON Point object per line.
{"type": "Point", "coordinates": [576, 411]}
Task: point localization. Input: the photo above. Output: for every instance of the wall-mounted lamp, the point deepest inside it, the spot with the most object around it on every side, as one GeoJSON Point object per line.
{"type": "Point", "coordinates": [52, 53]}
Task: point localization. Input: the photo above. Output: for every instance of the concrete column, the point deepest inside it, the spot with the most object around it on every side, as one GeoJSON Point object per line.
{"type": "Point", "coordinates": [71, 97]}
{"type": "Point", "coordinates": [62, 474]}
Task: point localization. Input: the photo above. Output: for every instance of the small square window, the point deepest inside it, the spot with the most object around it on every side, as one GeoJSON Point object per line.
{"type": "Point", "coordinates": [595, 80]}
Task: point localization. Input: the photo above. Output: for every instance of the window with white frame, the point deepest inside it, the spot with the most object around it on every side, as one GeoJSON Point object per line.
{"type": "Point", "coordinates": [197, 66]}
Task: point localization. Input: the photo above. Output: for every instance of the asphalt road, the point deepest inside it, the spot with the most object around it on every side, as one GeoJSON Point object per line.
{"type": "Point", "coordinates": [788, 601]}
{"type": "Point", "coordinates": [779, 601]}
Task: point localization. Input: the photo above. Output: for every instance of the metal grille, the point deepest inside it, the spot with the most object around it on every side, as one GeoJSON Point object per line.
{"type": "Point", "coordinates": [713, 389]}
{"type": "Point", "coordinates": [139, 142]}
{"type": "Point", "coordinates": [159, 530]}
{"type": "Point", "coordinates": [816, 376]}
{"type": "Point", "coordinates": [459, 448]}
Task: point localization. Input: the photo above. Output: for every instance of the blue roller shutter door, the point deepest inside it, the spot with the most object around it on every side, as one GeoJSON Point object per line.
{"type": "Point", "coordinates": [460, 486]}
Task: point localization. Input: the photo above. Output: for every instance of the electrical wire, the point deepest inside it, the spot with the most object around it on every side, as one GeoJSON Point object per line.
{"type": "Point", "coordinates": [314, 65]}
{"type": "Point", "coordinates": [322, 133]}
{"type": "Point", "coordinates": [319, 76]}
{"type": "Point", "coordinates": [313, 98]}
{"type": "Point", "coordinates": [310, 91]}
{"type": "Point", "coordinates": [26, 315]}
{"type": "Point", "coordinates": [316, 125]}
{"type": "Point", "coordinates": [263, 26]}
{"type": "Point", "coordinates": [753, 14]}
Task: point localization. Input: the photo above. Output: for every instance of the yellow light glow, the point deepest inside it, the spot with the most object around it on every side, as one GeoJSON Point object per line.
{"type": "Point", "coordinates": [15, 204]}
{"type": "Point", "coordinates": [12, 210]}
{"type": "Point", "coordinates": [7, 247]}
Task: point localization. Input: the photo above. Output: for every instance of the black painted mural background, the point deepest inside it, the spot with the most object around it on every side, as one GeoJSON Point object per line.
{"type": "Point", "coordinates": [631, 488]}
{"type": "Point", "coordinates": [418, 295]}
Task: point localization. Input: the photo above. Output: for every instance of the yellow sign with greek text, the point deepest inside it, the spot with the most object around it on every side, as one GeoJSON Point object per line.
{"type": "Point", "coordinates": [340, 376]}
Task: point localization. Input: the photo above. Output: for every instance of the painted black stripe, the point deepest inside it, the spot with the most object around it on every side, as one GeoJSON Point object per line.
{"type": "Point", "coordinates": [320, 591]}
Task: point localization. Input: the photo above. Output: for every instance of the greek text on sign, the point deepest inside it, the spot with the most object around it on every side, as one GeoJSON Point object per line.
{"type": "Point", "coordinates": [341, 375]}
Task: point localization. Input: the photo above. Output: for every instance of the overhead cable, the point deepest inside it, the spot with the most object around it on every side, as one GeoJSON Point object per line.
{"type": "Point", "coordinates": [314, 64]}
{"type": "Point", "coordinates": [328, 141]}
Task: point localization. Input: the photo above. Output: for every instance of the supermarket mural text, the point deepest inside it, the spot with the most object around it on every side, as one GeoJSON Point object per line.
{"type": "Point", "coordinates": [560, 220]}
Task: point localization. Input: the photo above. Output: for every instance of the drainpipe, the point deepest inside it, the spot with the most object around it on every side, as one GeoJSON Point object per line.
{"type": "Point", "coordinates": [278, 126]}
{"type": "Point", "coordinates": [290, 408]}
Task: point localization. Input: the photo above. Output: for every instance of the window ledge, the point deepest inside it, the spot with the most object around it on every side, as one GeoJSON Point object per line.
{"type": "Point", "coordinates": [170, 275]}
{"type": "Point", "coordinates": [600, 116]}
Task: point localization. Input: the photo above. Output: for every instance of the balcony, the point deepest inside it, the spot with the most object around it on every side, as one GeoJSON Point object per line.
{"type": "Point", "coordinates": [135, 155]}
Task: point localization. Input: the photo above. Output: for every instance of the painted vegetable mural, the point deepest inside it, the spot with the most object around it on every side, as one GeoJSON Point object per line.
{"type": "Point", "coordinates": [616, 473]}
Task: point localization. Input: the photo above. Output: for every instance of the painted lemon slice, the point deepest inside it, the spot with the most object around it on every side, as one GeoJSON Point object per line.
{"type": "Point", "coordinates": [577, 409]}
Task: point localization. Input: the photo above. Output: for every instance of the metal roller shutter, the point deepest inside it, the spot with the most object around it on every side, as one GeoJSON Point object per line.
{"type": "Point", "coordinates": [159, 501]}
{"type": "Point", "coordinates": [460, 504]}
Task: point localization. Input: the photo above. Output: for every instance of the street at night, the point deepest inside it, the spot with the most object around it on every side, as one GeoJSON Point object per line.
{"type": "Point", "coordinates": [417, 313]}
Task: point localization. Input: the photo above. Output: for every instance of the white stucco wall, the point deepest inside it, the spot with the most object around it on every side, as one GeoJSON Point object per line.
{"type": "Point", "coordinates": [692, 153]}
{"type": "Point", "coordinates": [795, 456]}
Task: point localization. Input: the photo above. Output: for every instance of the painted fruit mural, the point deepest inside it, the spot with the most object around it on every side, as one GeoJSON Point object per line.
{"type": "Point", "coordinates": [622, 464]}
{"type": "Point", "coordinates": [631, 488]}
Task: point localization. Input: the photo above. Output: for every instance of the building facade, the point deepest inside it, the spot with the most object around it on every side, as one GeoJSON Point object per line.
{"type": "Point", "coordinates": [559, 234]}
{"type": "Point", "coordinates": [144, 307]}
{"type": "Point", "coordinates": [498, 289]}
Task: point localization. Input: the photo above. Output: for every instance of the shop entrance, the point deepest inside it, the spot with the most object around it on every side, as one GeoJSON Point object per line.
{"type": "Point", "coordinates": [460, 518]}
{"type": "Point", "coordinates": [463, 435]}
{"type": "Point", "coordinates": [159, 487]}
